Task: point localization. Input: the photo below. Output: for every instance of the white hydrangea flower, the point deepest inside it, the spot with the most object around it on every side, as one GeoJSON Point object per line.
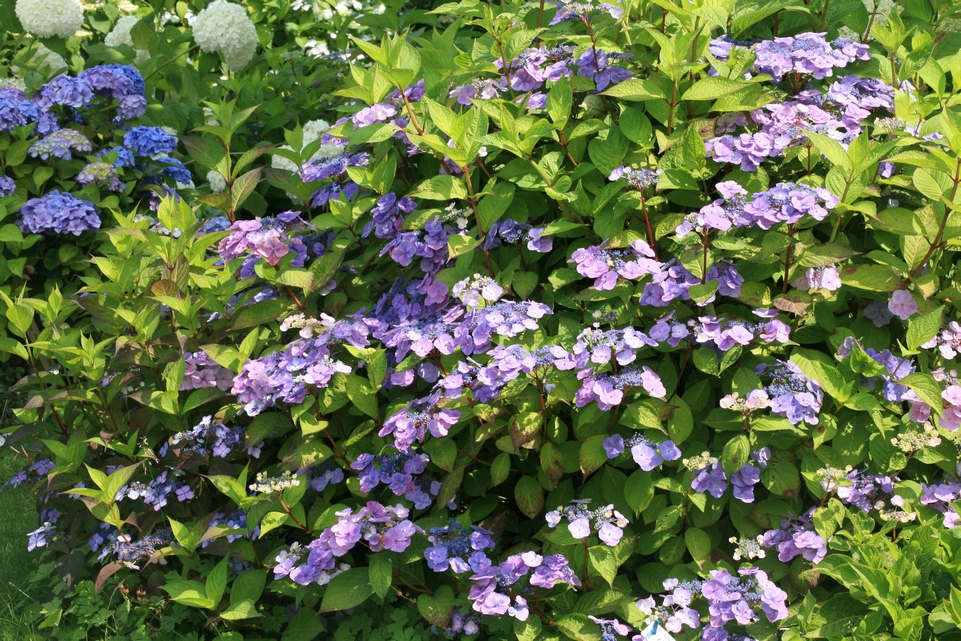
{"type": "Point", "coordinates": [50, 18]}
{"type": "Point", "coordinates": [225, 28]}
{"type": "Point", "coordinates": [120, 35]}
{"type": "Point", "coordinates": [316, 48]}
{"type": "Point", "coordinates": [314, 129]}
{"type": "Point", "coordinates": [216, 181]}
{"type": "Point", "coordinates": [14, 81]}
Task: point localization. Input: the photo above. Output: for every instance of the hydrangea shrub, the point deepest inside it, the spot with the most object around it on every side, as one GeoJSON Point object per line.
{"type": "Point", "coordinates": [560, 320]}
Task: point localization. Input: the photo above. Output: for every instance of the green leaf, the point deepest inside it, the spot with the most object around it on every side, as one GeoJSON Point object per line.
{"type": "Point", "coordinates": [441, 188]}
{"type": "Point", "coordinates": [832, 150]}
{"type": "Point", "coordinates": [699, 545]}
{"type": "Point", "coordinates": [492, 206]}
{"type": "Point", "coordinates": [248, 586]}
{"type": "Point", "coordinates": [737, 452]}
{"type": "Point", "coordinates": [242, 187]}
{"type": "Point", "coordinates": [381, 572]}
{"type": "Point", "coordinates": [636, 90]}
{"type": "Point", "coordinates": [592, 454]}
{"type": "Point", "coordinates": [552, 462]}
{"type": "Point", "coordinates": [500, 468]}
{"type": "Point", "coordinates": [458, 245]}
{"type": "Point", "coordinates": [713, 87]}
{"type": "Point", "coordinates": [559, 102]}
{"type": "Point", "coordinates": [927, 389]}
{"type": "Point", "coordinates": [603, 560]}
{"type": "Point", "coordinates": [305, 626]}
{"type": "Point", "coordinates": [923, 327]}
{"type": "Point", "coordinates": [875, 278]}
{"type": "Point", "coordinates": [347, 590]}
{"type": "Point", "coordinates": [437, 608]}
{"type": "Point", "coordinates": [443, 453]}
{"type": "Point", "coordinates": [189, 593]}
{"type": "Point", "coordinates": [529, 496]}
{"type": "Point", "coordinates": [579, 627]}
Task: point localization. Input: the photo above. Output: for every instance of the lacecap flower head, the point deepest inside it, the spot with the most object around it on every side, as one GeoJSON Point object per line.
{"type": "Point", "coordinates": [224, 27]}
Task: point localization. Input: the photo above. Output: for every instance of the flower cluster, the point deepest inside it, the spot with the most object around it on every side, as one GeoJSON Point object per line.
{"type": "Point", "coordinates": [729, 598]}
{"type": "Point", "coordinates": [7, 186]}
{"type": "Point", "coordinates": [797, 538]}
{"type": "Point", "coordinates": [224, 27]}
{"type": "Point", "coordinates": [35, 472]}
{"type": "Point", "coordinates": [270, 238]}
{"type": "Point", "coordinates": [647, 454]}
{"type": "Point", "coordinates": [806, 53]}
{"type": "Point", "coordinates": [414, 421]}
{"type": "Point", "coordinates": [488, 592]}
{"type": "Point", "coordinates": [722, 333]}
{"type": "Point", "coordinates": [709, 475]}
{"type": "Point", "coordinates": [150, 141]}
{"type": "Point", "coordinates": [285, 375]}
{"type": "Point", "coordinates": [209, 438]}
{"type": "Point", "coordinates": [16, 110]}
{"type": "Point", "coordinates": [380, 527]}
{"type": "Point", "coordinates": [202, 371]}
{"type": "Point", "coordinates": [58, 213]}
{"type": "Point", "coordinates": [608, 522]}
{"type": "Point", "coordinates": [101, 173]}
{"type": "Point", "coordinates": [400, 472]}
{"type": "Point", "coordinates": [50, 18]}
{"type": "Point", "coordinates": [941, 496]}
{"type": "Point", "coordinates": [793, 395]}
{"type": "Point", "coordinates": [155, 492]}
{"type": "Point", "coordinates": [508, 230]}
{"type": "Point", "coordinates": [59, 144]}
{"type": "Point", "coordinates": [124, 548]}
{"type": "Point", "coordinates": [458, 547]}
{"type": "Point", "coordinates": [606, 265]}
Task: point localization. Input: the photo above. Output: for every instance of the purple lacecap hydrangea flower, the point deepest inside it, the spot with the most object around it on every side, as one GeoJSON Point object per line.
{"type": "Point", "coordinates": [380, 527]}
{"type": "Point", "coordinates": [374, 114]}
{"type": "Point", "coordinates": [807, 53]}
{"type": "Point", "coordinates": [606, 266]}
{"type": "Point", "coordinates": [607, 522]}
{"type": "Point", "coordinates": [203, 371]}
{"type": "Point", "coordinates": [723, 333]}
{"type": "Point", "coordinates": [545, 572]}
{"type": "Point", "coordinates": [417, 419]}
{"type": "Point", "coordinates": [647, 454]}
{"type": "Point", "coordinates": [389, 215]}
{"type": "Point", "coordinates": [401, 472]}
{"type": "Point", "coordinates": [459, 548]}
{"type": "Point", "coordinates": [793, 395]}
{"type": "Point", "coordinates": [596, 65]}
{"type": "Point", "coordinates": [58, 213]}
{"type": "Point", "coordinates": [902, 304]}
{"type": "Point", "coordinates": [285, 375]}
{"type": "Point", "coordinates": [513, 232]}
{"type": "Point", "coordinates": [797, 538]}
{"type": "Point", "coordinates": [826, 277]}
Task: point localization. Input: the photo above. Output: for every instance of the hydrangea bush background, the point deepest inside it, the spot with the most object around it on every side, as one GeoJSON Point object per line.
{"type": "Point", "coordinates": [534, 321]}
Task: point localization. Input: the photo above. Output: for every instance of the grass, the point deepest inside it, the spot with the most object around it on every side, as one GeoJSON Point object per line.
{"type": "Point", "coordinates": [18, 507]}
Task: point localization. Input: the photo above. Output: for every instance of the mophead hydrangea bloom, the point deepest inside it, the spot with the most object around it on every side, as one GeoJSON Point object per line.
{"type": "Point", "coordinates": [50, 18]}
{"type": "Point", "coordinates": [225, 28]}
